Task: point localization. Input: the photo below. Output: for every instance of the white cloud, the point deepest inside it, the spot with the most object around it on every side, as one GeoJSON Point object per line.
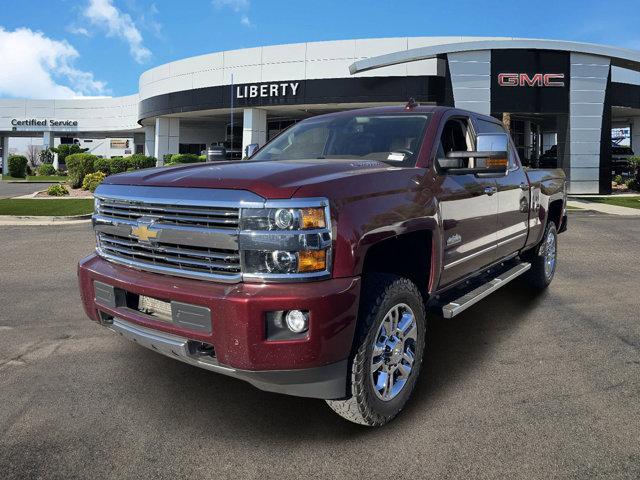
{"type": "Point", "coordinates": [103, 14]}
{"type": "Point", "coordinates": [35, 66]}
{"type": "Point", "coordinates": [235, 5]}
{"type": "Point", "coordinates": [78, 31]}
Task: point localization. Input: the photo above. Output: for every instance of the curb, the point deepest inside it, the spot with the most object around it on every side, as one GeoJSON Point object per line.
{"type": "Point", "coordinates": [12, 220]}
{"type": "Point", "coordinates": [34, 183]}
{"type": "Point", "coordinates": [604, 208]}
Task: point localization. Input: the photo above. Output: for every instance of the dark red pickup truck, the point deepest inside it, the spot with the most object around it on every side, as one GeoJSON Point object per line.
{"type": "Point", "coordinates": [309, 269]}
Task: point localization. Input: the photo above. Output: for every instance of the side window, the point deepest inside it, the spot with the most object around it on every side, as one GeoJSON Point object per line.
{"type": "Point", "coordinates": [456, 137]}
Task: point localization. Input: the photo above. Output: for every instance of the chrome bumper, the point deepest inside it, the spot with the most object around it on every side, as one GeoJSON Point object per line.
{"type": "Point", "coordinates": [326, 382]}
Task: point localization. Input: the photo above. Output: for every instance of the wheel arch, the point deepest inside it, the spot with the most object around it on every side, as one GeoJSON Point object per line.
{"type": "Point", "coordinates": [554, 213]}
{"type": "Point", "coordinates": [412, 255]}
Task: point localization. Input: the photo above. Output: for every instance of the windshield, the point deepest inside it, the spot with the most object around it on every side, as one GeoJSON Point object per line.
{"type": "Point", "coordinates": [393, 139]}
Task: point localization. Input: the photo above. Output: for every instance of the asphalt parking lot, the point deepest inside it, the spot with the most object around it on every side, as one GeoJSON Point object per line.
{"type": "Point", "coordinates": [520, 386]}
{"type": "Point", "coordinates": [14, 189]}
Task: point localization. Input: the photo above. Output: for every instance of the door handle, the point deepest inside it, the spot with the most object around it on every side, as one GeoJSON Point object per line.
{"type": "Point", "coordinates": [524, 186]}
{"type": "Point", "coordinates": [490, 190]}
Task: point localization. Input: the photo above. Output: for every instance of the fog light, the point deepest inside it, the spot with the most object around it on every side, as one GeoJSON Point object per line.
{"type": "Point", "coordinates": [297, 321]}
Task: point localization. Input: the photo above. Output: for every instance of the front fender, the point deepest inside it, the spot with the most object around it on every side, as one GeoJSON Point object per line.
{"type": "Point", "coordinates": [366, 222]}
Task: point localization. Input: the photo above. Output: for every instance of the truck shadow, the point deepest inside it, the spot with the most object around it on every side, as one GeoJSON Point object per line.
{"type": "Point", "coordinates": [456, 346]}
{"type": "Point", "coordinates": [190, 398]}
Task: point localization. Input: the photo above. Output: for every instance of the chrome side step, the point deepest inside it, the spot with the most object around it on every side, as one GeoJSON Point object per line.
{"type": "Point", "coordinates": [459, 305]}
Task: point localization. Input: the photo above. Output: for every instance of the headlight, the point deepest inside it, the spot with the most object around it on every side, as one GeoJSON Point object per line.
{"type": "Point", "coordinates": [286, 240]}
{"type": "Point", "coordinates": [282, 261]}
{"type": "Point", "coordinates": [284, 218]}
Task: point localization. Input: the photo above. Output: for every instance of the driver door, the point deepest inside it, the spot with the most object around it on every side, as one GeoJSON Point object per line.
{"type": "Point", "coordinates": [468, 207]}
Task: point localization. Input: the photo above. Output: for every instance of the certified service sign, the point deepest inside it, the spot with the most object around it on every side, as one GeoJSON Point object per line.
{"type": "Point", "coordinates": [35, 122]}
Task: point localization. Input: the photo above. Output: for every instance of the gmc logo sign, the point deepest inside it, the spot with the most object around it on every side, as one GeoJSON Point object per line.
{"type": "Point", "coordinates": [536, 80]}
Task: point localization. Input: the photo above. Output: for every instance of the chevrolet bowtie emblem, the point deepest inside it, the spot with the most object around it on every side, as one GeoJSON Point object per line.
{"type": "Point", "coordinates": [142, 232]}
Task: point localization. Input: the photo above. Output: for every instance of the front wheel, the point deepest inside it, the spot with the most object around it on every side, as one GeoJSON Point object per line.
{"type": "Point", "coordinates": [388, 351]}
{"type": "Point", "coordinates": [544, 259]}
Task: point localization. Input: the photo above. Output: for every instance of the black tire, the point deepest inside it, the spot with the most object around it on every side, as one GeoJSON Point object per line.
{"type": "Point", "coordinates": [383, 294]}
{"type": "Point", "coordinates": [540, 275]}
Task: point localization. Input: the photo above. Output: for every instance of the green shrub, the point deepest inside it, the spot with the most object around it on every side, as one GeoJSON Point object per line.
{"type": "Point", "coordinates": [57, 190]}
{"type": "Point", "coordinates": [46, 155]}
{"type": "Point", "coordinates": [79, 165]}
{"type": "Point", "coordinates": [633, 184]}
{"type": "Point", "coordinates": [185, 158]}
{"type": "Point", "coordinates": [118, 164]}
{"type": "Point", "coordinates": [65, 150]}
{"type": "Point", "coordinates": [634, 163]}
{"type": "Point", "coordinates": [92, 180]}
{"type": "Point", "coordinates": [202, 158]}
{"type": "Point", "coordinates": [29, 171]}
{"type": "Point", "coordinates": [102, 165]}
{"type": "Point", "coordinates": [138, 161]}
{"type": "Point", "coordinates": [46, 169]}
{"type": "Point", "coordinates": [18, 166]}
{"type": "Point", "coordinates": [166, 157]}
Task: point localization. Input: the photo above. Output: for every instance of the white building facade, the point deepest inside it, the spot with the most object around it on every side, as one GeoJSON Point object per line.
{"type": "Point", "coordinates": [561, 99]}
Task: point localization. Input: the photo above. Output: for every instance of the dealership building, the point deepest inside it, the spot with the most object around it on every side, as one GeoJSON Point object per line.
{"type": "Point", "coordinates": [560, 99]}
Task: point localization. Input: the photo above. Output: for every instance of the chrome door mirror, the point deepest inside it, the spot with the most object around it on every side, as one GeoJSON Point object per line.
{"type": "Point", "coordinates": [250, 150]}
{"type": "Point", "coordinates": [491, 157]}
{"type": "Point", "coordinates": [492, 142]}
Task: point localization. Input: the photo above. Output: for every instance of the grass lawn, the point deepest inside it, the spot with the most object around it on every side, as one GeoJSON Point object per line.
{"type": "Point", "coordinates": [52, 207]}
{"type": "Point", "coordinates": [631, 202]}
{"type": "Point", "coordinates": [38, 178]}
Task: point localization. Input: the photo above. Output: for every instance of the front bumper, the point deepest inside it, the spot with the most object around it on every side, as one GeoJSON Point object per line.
{"type": "Point", "coordinates": [327, 381]}
{"type": "Point", "coordinates": [314, 366]}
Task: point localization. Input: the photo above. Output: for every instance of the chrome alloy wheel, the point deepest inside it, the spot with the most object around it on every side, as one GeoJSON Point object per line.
{"type": "Point", "coordinates": [393, 352]}
{"type": "Point", "coordinates": [550, 254]}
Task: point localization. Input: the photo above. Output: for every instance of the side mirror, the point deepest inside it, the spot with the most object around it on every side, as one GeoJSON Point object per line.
{"type": "Point", "coordinates": [250, 149]}
{"type": "Point", "coordinates": [491, 157]}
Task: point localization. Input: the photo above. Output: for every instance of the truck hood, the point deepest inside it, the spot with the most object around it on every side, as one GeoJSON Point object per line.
{"type": "Point", "coordinates": [276, 179]}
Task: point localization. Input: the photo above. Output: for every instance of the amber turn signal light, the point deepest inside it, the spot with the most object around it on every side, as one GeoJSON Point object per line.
{"type": "Point", "coordinates": [497, 162]}
{"type": "Point", "coordinates": [312, 218]}
{"type": "Point", "coordinates": [312, 261]}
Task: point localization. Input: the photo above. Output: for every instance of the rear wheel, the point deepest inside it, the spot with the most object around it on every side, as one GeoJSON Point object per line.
{"type": "Point", "coordinates": [544, 259]}
{"type": "Point", "coordinates": [388, 351]}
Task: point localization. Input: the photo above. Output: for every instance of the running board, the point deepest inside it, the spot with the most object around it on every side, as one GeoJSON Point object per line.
{"type": "Point", "coordinates": [459, 305]}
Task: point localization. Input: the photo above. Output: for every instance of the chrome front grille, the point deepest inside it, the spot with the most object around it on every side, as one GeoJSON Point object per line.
{"type": "Point", "coordinates": [193, 216]}
{"type": "Point", "coordinates": [188, 232]}
{"type": "Point", "coordinates": [166, 255]}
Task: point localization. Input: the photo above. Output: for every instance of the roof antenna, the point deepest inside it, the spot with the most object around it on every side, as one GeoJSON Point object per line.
{"type": "Point", "coordinates": [411, 104]}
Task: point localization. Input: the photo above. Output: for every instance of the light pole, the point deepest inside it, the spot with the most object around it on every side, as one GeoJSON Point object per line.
{"type": "Point", "coordinates": [231, 146]}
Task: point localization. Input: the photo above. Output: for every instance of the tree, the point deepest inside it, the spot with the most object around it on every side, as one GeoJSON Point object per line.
{"type": "Point", "coordinates": [33, 155]}
{"type": "Point", "coordinates": [46, 155]}
{"type": "Point", "coordinates": [65, 150]}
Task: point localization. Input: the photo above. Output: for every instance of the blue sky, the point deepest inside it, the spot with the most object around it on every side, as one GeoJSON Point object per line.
{"type": "Point", "coordinates": [65, 48]}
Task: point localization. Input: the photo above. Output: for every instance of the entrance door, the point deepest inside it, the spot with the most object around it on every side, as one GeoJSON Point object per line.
{"type": "Point", "coordinates": [469, 208]}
